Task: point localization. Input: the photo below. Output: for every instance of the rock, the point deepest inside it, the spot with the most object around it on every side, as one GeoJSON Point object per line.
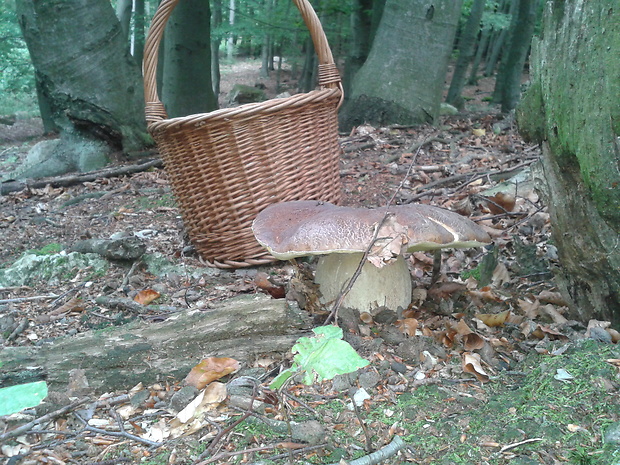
{"type": "Point", "coordinates": [399, 367]}
{"type": "Point", "coordinates": [612, 434]}
{"type": "Point", "coordinates": [447, 109]}
{"type": "Point", "coordinates": [310, 432]}
{"type": "Point", "coordinates": [123, 248]}
{"type": "Point", "coordinates": [181, 398]}
{"type": "Point", "coordinates": [245, 94]}
{"type": "Point", "coordinates": [369, 379]}
{"type": "Point", "coordinates": [32, 268]}
{"type": "Point", "coordinates": [64, 155]}
{"type": "Point", "coordinates": [600, 334]}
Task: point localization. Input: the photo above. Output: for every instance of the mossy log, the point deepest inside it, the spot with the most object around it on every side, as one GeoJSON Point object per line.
{"type": "Point", "coordinates": [120, 357]}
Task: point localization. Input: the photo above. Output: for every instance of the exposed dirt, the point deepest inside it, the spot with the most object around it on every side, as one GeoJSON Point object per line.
{"type": "Point", "coordinates": [510, 403]}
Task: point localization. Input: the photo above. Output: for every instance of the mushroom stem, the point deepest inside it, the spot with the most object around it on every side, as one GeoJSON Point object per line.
{"type": "Point", "coordinates": [389, 286]}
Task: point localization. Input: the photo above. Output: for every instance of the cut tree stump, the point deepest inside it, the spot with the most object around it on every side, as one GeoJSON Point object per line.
{"type": "Point", "coordinates": [120, 357]}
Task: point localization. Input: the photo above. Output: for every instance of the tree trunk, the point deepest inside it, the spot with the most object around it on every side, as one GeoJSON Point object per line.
{"type": "Point", "coordinates": [230, 43]}
{"type": "Point", "coordinates": [123, 13]}
{"type": "Point", "coordinates": [216, 40]}
{"type": "Point", "coordinates": [87, 76]}
{"type": "Point", "coordinates": [186, 86]}
{"type": "Point", "coordinates": [402, 80]}
{"type": "Point", "coordinates": [482, 46]}
{"type": "Point", "coordinates": [120, 357]}
{"type": "Point", "coordinates": [467, 45]}
{"type": "Point", "coordinates": [361, 20]}
{"type": "Point", "coordinates": [508, 81]}
{"type": "Point", "coordinates": [572, 108]}
{"type": "Point", "coordinates": [306, 81]}
{"type": "Point", "coordinates": [138, 33]}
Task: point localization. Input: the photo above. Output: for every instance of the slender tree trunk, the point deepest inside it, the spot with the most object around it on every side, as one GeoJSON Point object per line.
{"type": "Point", "coordinates": [498, 39]}
{"type": "Point", "coordinates": [361, 20]}
{"type": "Point", "coordinates": [216, 40]}
{"type": "Point", "coordinates": [482, 46]}
{"type": "Point", "coordinates": [402, 79]}
{"type": "Point", "coordinates": [187, 87]}
{"type": "Point", "coordinates": [572, 108]}
{"type": "Point", "coordinates": [230, 43]}
{"type": "Point", "coordinates": [467, 45]}
{"type": "Point", "coordinates": [138, 42]}
{"type": "Point", "coordinates": [508, 81]}
{"type": "Point", "coordinates": [123, 13]}
{"type": "Point", "coordinates": [306, 84]}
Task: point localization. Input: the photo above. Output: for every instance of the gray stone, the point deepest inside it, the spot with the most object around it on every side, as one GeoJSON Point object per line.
{"type": "Point", "coordinates": [612, 434]}
{"type": "Point", "coordinates": [53, 268]}
{"type": "Point", "coordinates": [245, 94]}
{"type": "Point", "coordinates": [181, 398]}
{"type": "Point", "coordinates": [310, 432]}
{"type": "Point", "coordinates": [369, 379]}
{"type": "Point", "coordinates": [599, 334]}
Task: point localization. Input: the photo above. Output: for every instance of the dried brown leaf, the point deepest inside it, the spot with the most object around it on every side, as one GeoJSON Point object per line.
{"type": "Point", "coordinates": [552, 298]}
{"type": "Point", "coordinates": [146, 296]}
{"type": "Point", "coordinates": [472, 341]}
{"type": "Point", "coordinates": [408, 326]}
{"type": "Point", "coordinates": [493, 319]}
{"type": "Point", "coordinates": [471, 364]}
{"type": "Point", "coordinates": [210, 369]}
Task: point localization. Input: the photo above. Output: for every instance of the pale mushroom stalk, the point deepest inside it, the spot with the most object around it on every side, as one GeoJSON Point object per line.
{"type": "Point", "coordinates": [343, 234]}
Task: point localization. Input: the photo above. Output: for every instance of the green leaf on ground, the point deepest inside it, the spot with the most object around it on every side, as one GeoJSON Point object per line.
{"type": "Point", "coordinates": [321, 357]}
{"type": "Point", "coordinates": [17, 398]}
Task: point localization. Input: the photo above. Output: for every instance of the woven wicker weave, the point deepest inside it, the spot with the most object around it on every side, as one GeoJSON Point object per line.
{"type": "Point", "coordinates": [228, 165]}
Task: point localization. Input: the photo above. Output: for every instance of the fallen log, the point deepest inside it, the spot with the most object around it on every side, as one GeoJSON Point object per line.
{"type": "Point", "coordinates": [120, 357]}
{"type": "Point", "coordinates": [72, 179]}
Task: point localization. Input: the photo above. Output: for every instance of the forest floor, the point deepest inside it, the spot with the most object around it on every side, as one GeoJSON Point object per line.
{"type": "Point", "coordinates": [483, 368]}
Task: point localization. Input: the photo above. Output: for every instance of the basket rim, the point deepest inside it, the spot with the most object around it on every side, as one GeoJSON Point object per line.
{"type": "Point", "coordinates": [249, 109]}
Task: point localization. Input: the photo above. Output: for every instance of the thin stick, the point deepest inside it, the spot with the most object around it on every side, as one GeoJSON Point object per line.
{"type": "Point", "coordinates": [333, 315]}
{"type": "Point", "coordinates": [520, 443]}
{"type": "Point", "coordinates": [28, 299]}
{"type": "Point", "coordinates": [382, 454]}
{"type": "Point", "coordinates": [50, 416]}
{"type": "Point", "coordinates": [122, 434]}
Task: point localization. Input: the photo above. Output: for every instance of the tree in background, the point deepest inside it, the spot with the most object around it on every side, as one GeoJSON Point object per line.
{"type": "Point", "coordinates": [573, 109]}
{"type": "Point", "coordinates": [467, 46]}
{"type": "Point", "coordinates": [508, 81]}
{"type": "Point", "coordinates": [88, 79]}
{"type": "Point", "coordinates": [186, 85]}
{"type": "Point", "coordinates": [402, 80]}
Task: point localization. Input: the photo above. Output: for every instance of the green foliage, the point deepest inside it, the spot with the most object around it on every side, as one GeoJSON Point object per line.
{"type": "Point", "coordinates": [320, 357]}
{"type": "Point", "coordinates": [16, 71]}
{"type": "Point", "coordinates": [48, 249]}
{"type": "Point", "coordinates": [17, 398]}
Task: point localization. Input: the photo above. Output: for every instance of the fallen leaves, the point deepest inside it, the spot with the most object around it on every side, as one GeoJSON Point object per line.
{"type": "Point", "coordinates": [210, 369]}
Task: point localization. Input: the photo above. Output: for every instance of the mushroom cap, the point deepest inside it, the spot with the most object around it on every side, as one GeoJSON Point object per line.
{"type": "Point", "coordinates": [309, 227]}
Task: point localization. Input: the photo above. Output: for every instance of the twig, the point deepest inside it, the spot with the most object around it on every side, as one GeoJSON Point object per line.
{"type": "Point", "coordinates": [517, 444]}
{"type": "Point", "coordinates": [333, 315]}
{"type": "Point", "coordinates": [297, 451]}
{"type": "Point", "coordinates": [382, 454]}
{"type": "Point", "coordinates": [28, 299]}
{"type": "Point", "coordinates": [225, 455]}
{"type": "Point", "coordinates": [122, 434]}
{"type": "Point", "coordinates": [299, 401]}
{"type": "Point", "coordinates": [50, 416]}
{"type": "Point", "coordinates": [21, 327]}
{"type": "Point", "coordinates": [362, 424]}
{"type": "Point", "coordinates": [221, 433]}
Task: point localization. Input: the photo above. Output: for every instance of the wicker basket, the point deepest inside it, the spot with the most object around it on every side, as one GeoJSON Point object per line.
{"type": "Point", "coordinates": [228, 165]}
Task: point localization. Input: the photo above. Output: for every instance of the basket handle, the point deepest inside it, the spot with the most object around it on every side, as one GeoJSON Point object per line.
{"type": "Point", "coordinates": [329, 76]}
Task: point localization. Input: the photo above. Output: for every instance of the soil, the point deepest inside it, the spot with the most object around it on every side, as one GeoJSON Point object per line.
{"type": "Point", "coordinates": [523, 386]}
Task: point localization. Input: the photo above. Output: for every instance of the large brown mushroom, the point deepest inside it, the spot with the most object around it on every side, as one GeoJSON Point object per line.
{"type": "Point", "coordinates": [342, 235]}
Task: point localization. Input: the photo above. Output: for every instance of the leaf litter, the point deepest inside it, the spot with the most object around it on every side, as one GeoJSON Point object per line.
{"type": "Point", "coordinates": [485, 365]}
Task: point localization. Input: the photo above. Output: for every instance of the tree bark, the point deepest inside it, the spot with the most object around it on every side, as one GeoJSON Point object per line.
{"type": "Point", "coordinates": [572, 108]}
{"type": "Point", "coordinates": [120, 357]}
{"type": "Point", "coordinates": [508, 81]}
{"type": "Point", "coordinates": [187, 87]}
{"type": "Point", "coordinates": [402, 79]}
{"type": "Point", "coordinates": [361, 21]}
{"type": "Point", "coordinates": [216, 40]}
{"type": "Point", "coordinates": [138, 33]}
{"type": "Point", "coordinates": [467, 45]}
{"type": "Point", "coordinates": [92, 84]}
